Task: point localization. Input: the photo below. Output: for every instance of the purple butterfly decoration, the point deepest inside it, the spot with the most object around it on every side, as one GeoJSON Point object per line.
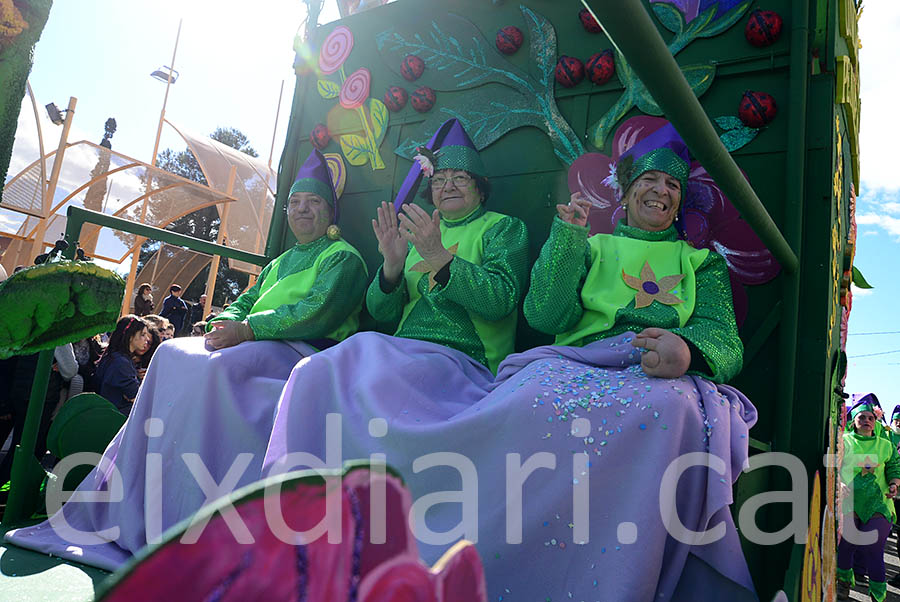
{"type": "Point", "coordinates": [710, 220]}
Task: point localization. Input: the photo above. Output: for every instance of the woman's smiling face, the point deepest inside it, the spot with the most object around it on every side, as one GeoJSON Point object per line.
{"type": "Point", "coordinates": [652, 201]}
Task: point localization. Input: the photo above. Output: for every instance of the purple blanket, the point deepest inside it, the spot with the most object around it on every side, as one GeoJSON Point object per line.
{"type": "Point", "coordinates": [554, 514]}
{"type": "Point", "coordinates": [195, 413]}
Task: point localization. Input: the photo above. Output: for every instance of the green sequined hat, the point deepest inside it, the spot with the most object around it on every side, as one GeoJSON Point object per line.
{"type": "Point", "coordinates": [663, 150]}
{"type": "Point", "coordinates": [449, 148]}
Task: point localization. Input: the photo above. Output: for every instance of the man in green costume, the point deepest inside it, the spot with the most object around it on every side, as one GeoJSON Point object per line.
{"type": "Point", "coordinates": [213, 399]}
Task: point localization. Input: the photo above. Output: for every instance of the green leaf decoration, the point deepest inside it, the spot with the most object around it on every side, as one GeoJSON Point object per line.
{"type": "Point", "coordinates": [459, 57]}
{"type": "Point", "coordinates": [728, 122]}
{"type": "Point", "coordinates": [355, 148]}
{"type": "Point", "coordinates": [699, 23]}
{"type": "Point", "coordinates": [738, 137]}
{"type": "Point", "coordinates": [700, 77]}
{"type": "Point", "coordinates": [669, 16]}
{"type": "Point", "coordinates": [858, 279]}
{"type": "Point", "coordinates": [726, 21]}
{"type": "Point", "coordinates": [328, 89]}
{"type": "Point", "coordinates": [380, 118]}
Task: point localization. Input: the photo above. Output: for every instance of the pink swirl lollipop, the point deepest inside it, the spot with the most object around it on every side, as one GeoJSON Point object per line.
{"type": "Point", "coordinates": [335, 50]}
{"type": "Point", "coordinates": [355, 90]}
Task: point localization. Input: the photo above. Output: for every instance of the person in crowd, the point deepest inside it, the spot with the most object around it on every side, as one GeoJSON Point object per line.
{"type": "Point", "coordinates": [196, 314]}
{"type": "Point", "coordinates": [143, 301]}
{"type": "Point", "coordinates": [87, 354]}
{"type": "Point", "coordinates": [622, 378]}
{"type": "Point", "coordinates": [215, 396]}
{"type": "Point", "coordinates": [199, 329]}
{"type": "Point", "coordinates": [117, 372]}
{"type": "Point", "coordinates": [870, 477]}
{"type": "Point", "coordinates": [175, 310]}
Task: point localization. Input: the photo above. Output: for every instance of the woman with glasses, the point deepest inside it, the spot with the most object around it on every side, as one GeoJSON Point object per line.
{"type": "Point", "coordinates": [870, 477]}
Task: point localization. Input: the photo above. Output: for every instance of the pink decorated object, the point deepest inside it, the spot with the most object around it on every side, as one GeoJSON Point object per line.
{"type": "Point", "coordinates": [335, 50]}
{"type": "Point", "coordinates": [355, 89]}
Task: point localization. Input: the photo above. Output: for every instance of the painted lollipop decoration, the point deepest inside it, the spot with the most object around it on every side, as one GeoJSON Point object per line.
{"type": "Point", "coordinates": [352, 95]}
{"type": "Point", "coordinates": [710, 220]}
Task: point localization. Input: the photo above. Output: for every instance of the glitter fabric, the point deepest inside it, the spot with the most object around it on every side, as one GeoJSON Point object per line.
{"type": "Point", "coordinates": [329, 308]}
{"type": "Point", "coordinates": [661, 159]}
{"type": "Point", "coordinates": [577, 292]}
{"type": "Point", "coordinates": [475, 312]}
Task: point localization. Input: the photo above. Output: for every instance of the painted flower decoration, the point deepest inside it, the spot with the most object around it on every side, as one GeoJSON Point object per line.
{"type": "Point", "coordinates": [710, 220]}
{"type": "Point", "coordinates": [355, 89]}
{"type": "Point", "coordinates": [649, 289]}
{"type": "Point", "coordinates": [691, 9]}
{"type": "Point", "coordinates": [335, 50]}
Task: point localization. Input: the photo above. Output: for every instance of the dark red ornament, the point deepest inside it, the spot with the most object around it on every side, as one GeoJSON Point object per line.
{"type": "Point", "coordinates": [423, 99]}
{"type": "Point", "coordinates": [412, 68]}
{"type": "Point", "coordinates": [601, 67]}
{"type": "Point", "coordinates": [509, 39]}
{"type": "Point", "coordinates": [395, 98]}
{"type": "Point", "coordinates": [757, 109]}
{"type": "Point", "coordinates": [569, 71]}
{"type": "Point", "coordinates": [320, 136]}
{"type": "Point", "coordinates": [588, 21]}
{"type": "Point", "coordinates": [763, 27]}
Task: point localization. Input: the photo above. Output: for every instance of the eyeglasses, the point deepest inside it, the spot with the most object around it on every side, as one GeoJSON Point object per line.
{"type": "Point", "coordinates": [460, 181]}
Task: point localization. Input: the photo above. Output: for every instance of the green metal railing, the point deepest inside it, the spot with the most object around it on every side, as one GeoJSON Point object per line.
{"type": "Point", "coordinates": [27, 473]}
{"type": "Point", "coordinates": [633, 32]}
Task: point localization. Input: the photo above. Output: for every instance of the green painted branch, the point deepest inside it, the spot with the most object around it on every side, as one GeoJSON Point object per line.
{"type": "Point", "coordinates": [21, 489]}
{"type": "Point", "coordinates": [635, 34]}
{"type": "Point", "coordinates": [77, 217]}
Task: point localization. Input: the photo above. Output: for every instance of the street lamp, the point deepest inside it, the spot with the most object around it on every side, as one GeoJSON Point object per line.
{"type": "Point", "coordinates": [164, 73]}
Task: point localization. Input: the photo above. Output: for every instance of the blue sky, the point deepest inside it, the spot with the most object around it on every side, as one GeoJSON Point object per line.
{"type": "Point", "coordinates": [233, 56]}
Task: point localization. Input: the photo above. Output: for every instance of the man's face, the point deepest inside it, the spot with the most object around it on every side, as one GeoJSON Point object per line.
{"type": "Point", "coordinates": [309, 216]}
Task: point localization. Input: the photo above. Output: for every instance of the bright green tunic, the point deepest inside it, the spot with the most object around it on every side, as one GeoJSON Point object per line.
{"type": "Point", "coordinates": [579, 293]}
{"type": "Point", "coordinates": [311, 291]}
{"type": "Point", "coordinates": [475, 312]}
{"type": "Point", "coordinates": [869, 465]}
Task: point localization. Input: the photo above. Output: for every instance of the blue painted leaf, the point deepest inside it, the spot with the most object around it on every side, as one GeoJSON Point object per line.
{"type": "Point", "coordinates": [738, 137]}
{"type": "Point", "coordinates": [669, 16]}
{"type": "Point", "coordinates": [355, 149]}
{"type": "Point", "coordinates": [543, 47]}
{"type": "Point", "coordinates": [728, 122]}
{"type": "Point", "coordinates": [328, 89]}
{"type": "Point", "coordinates": [725, 21]}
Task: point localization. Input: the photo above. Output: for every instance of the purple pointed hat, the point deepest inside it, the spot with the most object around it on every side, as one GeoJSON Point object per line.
{"type": "Point", "coordinates": [449, 148]}
{"type": "Point", "coordinates": [867, 403]}
{"type": "Point", "coordinates": [314, 176]}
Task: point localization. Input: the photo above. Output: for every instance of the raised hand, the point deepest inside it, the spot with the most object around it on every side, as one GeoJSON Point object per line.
{"type": "Point", "coordinates": [576, 211]}
{"type": "Point", "coordinates": [424, 232]}
{"type": "Point", "coordinates": [391, 246]}
{"type": "Point", "coordinates": [666, 354]}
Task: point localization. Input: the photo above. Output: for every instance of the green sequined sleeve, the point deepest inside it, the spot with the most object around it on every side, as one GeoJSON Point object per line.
{"type": "Point", "coordinates": [386, 308]}
{"type": "Point", "coordinates": [337, 290]}
{"type": "Point", "coordinates": [712, 327]}
{"type": "Point", "coordinates": [492, 290]}
{"type": "Point", "coordinates": [239, 309]}
{"type": "Point", "coordinates": [892, 466]}
{"type": "Point", "coordinates": [553, 304]}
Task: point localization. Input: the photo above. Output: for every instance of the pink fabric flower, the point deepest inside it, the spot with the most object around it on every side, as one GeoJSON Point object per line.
{"type": "Point", "coordinates": [355, 89]}
{"type": "Point", "coordinates": [335, 49]}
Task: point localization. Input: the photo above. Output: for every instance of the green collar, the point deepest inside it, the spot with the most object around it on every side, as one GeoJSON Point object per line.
{"type": "Point", "coordinates": [623, 229]}
{"type": "Point", "coordinates": [475, 214]}
{"type": "Point", "coordinates": [322, 241]}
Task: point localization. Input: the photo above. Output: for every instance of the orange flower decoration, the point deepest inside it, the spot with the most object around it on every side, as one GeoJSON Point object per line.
{"type": "Point", "coordinates": [868, 466]}
{"type": "Point", "coordinates": [650, 290]}
{"type": "Point", "coordinates": [422, 267]}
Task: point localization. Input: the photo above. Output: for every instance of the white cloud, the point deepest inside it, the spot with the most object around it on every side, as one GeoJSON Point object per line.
{"type": "Point", "coordinates": [891, 207]}
{"type": "Point", "coordinates": [861, 292]}
{"type": "Point", "coordinates": [888, 223]}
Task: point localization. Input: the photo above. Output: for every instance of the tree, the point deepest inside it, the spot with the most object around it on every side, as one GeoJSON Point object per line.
{"type": "Point", "coordinates": [203, 223]}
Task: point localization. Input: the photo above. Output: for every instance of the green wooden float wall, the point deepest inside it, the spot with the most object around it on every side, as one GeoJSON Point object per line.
{"type": "Point", "coordinates": [528, 180]}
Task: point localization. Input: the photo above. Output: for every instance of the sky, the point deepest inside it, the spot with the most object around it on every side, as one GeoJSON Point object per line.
{"type": "Point", "coordinates": [233, 57]}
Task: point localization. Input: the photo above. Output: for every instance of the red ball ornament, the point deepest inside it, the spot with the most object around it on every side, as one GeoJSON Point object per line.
{"type": "Point", "coordinates": [569, 71]}
{"type": "Point", "coordinates": [601, 67]}
{"type": "Point", "coordinates": [422, 99]}
{"type": "Point", "coordinates": [395, 98]}
{"type": "Point", "coordinates": [509, 39]}
{"type": "Point", "coordinates": [588, 21]}
{"type": "Point", "coordinates": [320, 136]}
{"type": "Point", "coordinates": [763, 27]}
{"type": "Point", "coordinates": [757, 109]}
{"type": "Point", "coordinates": [412, 68]}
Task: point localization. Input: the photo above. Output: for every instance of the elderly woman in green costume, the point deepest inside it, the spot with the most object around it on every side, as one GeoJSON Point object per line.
{"type": "Point", "coordinates": [870, 477]}
{"type": "Point", "coordinates": [213, 399]}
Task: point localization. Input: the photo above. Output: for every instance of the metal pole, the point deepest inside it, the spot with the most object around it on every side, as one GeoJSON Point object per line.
{"type": "Point", "coordinates": [40, 230]}
{"type": "Point", "coordinates": [139, 241]}
{"type": "Point", "coordinates": [628, 24]}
